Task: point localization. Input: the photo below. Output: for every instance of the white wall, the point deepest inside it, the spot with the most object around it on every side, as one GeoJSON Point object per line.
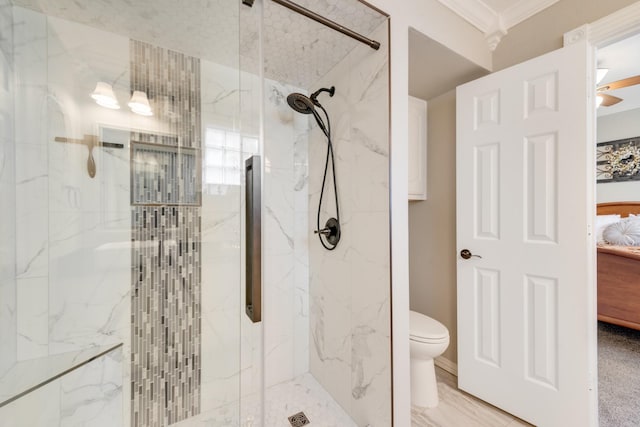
{"type": "Point", "coordinates": [433, 254]}
{"type": "Point", "coordinates": [437, 22]}
{"type": "Point", "coordinates": [610, 128]}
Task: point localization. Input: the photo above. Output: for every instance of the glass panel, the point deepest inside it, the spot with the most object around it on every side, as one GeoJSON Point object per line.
{"type": "Point", "coordinates": [8, 289]}
{"type": "Point", "coordinates": [124, 244]}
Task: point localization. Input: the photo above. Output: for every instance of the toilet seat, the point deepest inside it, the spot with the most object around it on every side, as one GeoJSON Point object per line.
{"type": "Point", "coordinates": [429, 340]}
{"type": "Point", "coordinates": [426, 330]}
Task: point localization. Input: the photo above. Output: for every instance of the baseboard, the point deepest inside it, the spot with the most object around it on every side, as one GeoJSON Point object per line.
{"type": "Point", "coordinates": [447, 365]}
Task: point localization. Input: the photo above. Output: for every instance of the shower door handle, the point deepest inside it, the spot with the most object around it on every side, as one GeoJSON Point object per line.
{"type": "Point", "coordinates": [253, 240]}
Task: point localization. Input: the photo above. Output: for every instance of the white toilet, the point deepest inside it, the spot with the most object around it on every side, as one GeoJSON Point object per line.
{"type": "Point", "coordinates": [428, 339]}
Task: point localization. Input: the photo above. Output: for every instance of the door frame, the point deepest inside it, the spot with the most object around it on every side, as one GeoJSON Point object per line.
{"type": "Point", "coordinates": [598, 34]}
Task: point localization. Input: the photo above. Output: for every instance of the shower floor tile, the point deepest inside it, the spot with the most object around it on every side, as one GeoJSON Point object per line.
{"type": "Point", "coordinates": [281, 401]}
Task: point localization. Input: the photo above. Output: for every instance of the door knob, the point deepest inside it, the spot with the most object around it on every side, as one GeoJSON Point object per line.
{"type": "Point", "coordinates": [466, 254]}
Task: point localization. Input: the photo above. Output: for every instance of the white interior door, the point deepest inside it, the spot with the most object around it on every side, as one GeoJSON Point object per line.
{"type": "Point", "coordinates": [525, 171]}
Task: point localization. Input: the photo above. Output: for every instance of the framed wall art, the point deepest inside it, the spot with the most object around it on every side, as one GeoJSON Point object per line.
{"type": "Point", "coordinates": [618, 161]}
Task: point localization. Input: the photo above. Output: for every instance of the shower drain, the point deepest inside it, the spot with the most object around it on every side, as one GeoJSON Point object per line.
{"type": "Point", "coordinates": [299, 419]}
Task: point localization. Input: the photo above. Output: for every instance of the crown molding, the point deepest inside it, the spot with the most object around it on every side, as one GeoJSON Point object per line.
{"type": "Point", "coordinates": [492, 23]}
{"type": "Point", "coordinates": [523, 10]}
{"type": "Point", "coordinates": [494, 37]}
{"type": "Point", "coordinates": [608, 30]}
{"type": "Point", "coordinates": [476, 12]}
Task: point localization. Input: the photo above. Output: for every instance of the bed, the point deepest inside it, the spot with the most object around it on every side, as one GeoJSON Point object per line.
{"type": "Point", "coordinates": [619, 274]}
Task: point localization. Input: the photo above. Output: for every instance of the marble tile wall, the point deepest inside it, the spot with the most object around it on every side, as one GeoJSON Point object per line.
{"type": "Point", "coordinates": [8, 318]}
{"type": "Point", "coordinates": [350, 287]}
{"type": "Point", "coordinates": [89, 395]}
{"type": "Point", "coordinates": [166, 253]}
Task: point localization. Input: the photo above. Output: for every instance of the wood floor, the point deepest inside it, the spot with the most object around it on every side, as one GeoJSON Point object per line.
{"type": "Point", "coordinates": [457, 409]}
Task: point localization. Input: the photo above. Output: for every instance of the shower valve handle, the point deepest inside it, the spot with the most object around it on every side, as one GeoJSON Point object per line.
{"type": "Point", "coordinates": [331, 232]}
{"type": "Point", "coordinates": [325, 231]}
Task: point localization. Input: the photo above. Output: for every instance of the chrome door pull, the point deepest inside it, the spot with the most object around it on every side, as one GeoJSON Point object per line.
{"type": "Point", "coordinates": [466, 254]}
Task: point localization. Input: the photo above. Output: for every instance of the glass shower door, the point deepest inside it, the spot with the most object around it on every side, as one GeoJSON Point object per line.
{"type": "Point", "coordinates": [124, 154]}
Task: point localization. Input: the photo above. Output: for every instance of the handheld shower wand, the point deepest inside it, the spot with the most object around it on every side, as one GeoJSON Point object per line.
{"type": "Point", "coordinates": [329, 235]}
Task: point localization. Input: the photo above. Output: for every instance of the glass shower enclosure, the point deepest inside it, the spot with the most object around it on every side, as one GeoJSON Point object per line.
{"type": "Point", "coordinates": [159, 192]}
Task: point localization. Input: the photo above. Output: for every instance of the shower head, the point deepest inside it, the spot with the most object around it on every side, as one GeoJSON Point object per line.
{"type": "Point", "coordinates": [300, 103]}
{"type": "Point", "coordinates": [305, 104]}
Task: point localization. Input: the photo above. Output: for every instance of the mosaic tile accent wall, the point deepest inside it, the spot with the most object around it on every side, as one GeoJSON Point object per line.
{"type": "Point", "coordinates": [166, 249]}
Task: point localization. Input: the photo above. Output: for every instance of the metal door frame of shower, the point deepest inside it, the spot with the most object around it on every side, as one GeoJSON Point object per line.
{"type": "Point", "coordinates": [324, 21]}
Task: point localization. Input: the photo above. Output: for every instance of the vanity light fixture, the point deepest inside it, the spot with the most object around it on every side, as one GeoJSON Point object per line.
{"type": "Point", "coordinates": [139, 104]}
{"type": "Point", "coordinates": [104, 96]}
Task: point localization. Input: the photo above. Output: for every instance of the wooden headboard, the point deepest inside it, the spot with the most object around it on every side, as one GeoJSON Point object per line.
{"type": "Point", "coordinates": [622, 208]}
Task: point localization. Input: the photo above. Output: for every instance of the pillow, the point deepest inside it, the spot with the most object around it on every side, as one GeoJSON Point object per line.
{"type": "Point", "coordinates": [623, 233]}
{"type": "Point", "coordinates": [602, 221]}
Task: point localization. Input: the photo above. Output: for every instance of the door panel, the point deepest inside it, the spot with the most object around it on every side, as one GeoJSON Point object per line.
{"type": "Point", "coordinates": [526, 312]}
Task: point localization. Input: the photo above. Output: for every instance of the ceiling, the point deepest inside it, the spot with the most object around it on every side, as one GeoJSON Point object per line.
{"type": "Point", "coordinates": [296, 50]}
{"type": "Point", "coordinates": [495, 17]}
{"type": "Point", "coordinates": [623, 60]}
{"type": "Point", "coordinates": [434, 69]}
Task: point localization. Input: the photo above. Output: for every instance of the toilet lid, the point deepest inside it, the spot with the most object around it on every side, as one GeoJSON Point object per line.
{"type": "Point", "coordinates": [423, 328]}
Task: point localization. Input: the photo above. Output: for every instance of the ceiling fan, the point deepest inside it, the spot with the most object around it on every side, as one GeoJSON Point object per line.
{"type": "Point", "coordinates": [606, 100]}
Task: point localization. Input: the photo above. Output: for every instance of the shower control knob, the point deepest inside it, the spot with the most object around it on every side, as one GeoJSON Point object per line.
{"type": "Point", "coordinates": [331, 232]}
{"type": "Point", "coordinates": [325, 231]}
